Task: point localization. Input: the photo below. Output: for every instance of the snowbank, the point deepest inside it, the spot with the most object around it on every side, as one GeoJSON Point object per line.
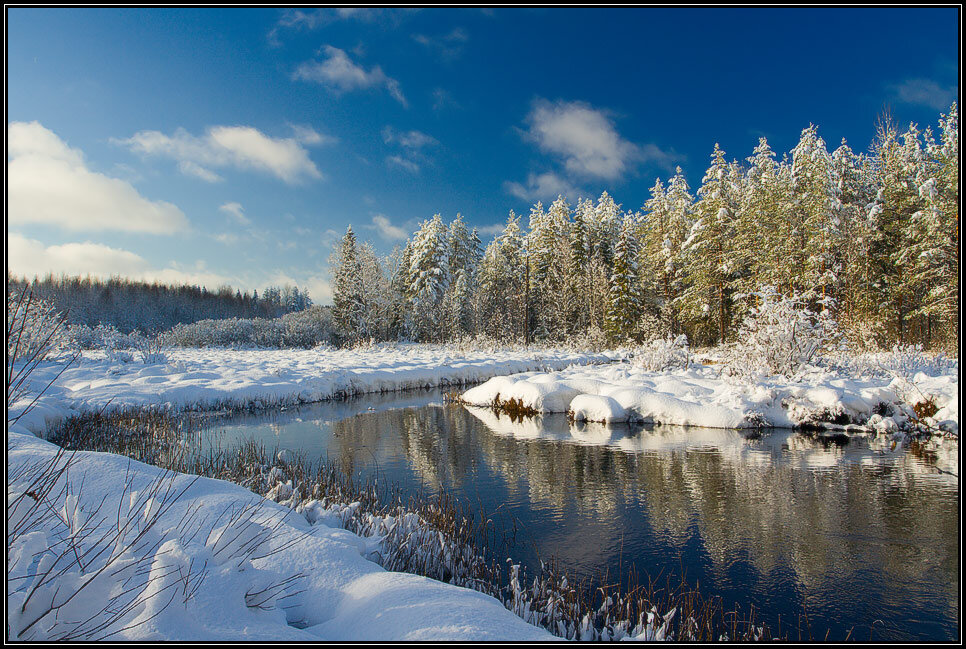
{"type": "Point", "coordinates": [261, 378]}
{"type": "Point", "coordinates": [255, 570]}
{"type": "Point", "coordinates": [700, 396]}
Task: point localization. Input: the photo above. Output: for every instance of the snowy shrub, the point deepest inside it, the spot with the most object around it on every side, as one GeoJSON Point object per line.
{"type": "Point", "coordinates": [908, 360]}
{"type": "Point", "coordinates": [592, 340]}
{"type": "Point", "coordinates": [663, 355]}
{"type": "Point", "coordinates": [307, 328]}
{"type": "Point", "coordinates": [150, 348]}
{"type": "Point", "coordinates": [782, 335]}
{"type": "Point", "coordinates": [34, 327]}
{"type": "Point", "coordinates": [304, 329]}
{"type": "Point", "coordinates": [902, 361]}
{"type": "Point", "coordinates": [36, 333]}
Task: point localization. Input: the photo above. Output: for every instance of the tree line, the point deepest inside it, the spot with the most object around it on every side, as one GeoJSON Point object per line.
{"type": "Point", "coordinates": [131, 305]}
{"type": "Point", "coordinates": [871, 236]}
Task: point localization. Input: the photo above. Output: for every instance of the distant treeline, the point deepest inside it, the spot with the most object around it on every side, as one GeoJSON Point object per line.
{"type": "Point", "coordinates": [131, 305]}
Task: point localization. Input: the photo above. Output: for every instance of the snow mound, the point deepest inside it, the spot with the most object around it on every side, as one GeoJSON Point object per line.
{"type": "Point", "coordinates": [701, 396]}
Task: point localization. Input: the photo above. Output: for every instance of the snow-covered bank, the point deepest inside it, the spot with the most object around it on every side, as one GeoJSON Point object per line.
{"type": "Point", "coordinates": [199, 378]}
{"type": "Point", "coordinates": [701, 396]}
{"type": "Point", "coordinates": [216, 563]}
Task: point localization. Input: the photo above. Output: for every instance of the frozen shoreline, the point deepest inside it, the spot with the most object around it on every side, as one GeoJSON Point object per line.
{"type": "Point", "coordinates": [701, 396]}
{"type": "Point", "coordinates": [219, 378]}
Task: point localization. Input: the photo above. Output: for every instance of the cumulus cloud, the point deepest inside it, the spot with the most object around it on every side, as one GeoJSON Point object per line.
{"type": "Point", "coordinates": [926, 93]}
{"type": "Point", "coordinates": [387, 230]}
{"type": "Point", "coordinates": [443, 99]}
{"type": "Point", "coordinates": [341, 74]}
{"type": "Point", "coordinates": [48, 182]}
{"type": "Point", "coordinates": [543, 186]}
{"type": "Point", "coordinates": [584, 137]}
{"type": "Point", "coordinates": [491, 230]}
{"type": "Point", "coordinates": [29, 257]}
{"type": "Point", "coordinates": [237, 212]}
{"type": "Point", "coordinates": [242, 147]}
{"type": "Point", "coordinates": [308, 135]}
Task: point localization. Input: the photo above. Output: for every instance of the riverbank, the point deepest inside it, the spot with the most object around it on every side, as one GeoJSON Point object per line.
{"type": "Point", "coordinates": [704, 396]}
{"type": "Point", "coordinates": [205, 379]}
{"type": "Point", "coordinates": [104, 547]}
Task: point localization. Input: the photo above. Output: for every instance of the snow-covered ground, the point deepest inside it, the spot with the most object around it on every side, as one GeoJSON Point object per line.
{"type": "Point", "coordinates": [206, 378]}
{"type": "Point", "coordinates": [254, 570]}
{"type": "Point", "coordinates": [258, 570]}
{"type": "Point", "coordinates": [703, 396]}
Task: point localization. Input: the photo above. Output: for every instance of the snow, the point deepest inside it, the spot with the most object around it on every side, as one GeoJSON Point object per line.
{"type": "Point", "coordinates": [214, 378]}
{"type": "Point", "coordinates": [703, 396]}
{"type": "Point", "coordinates": [339, 595]}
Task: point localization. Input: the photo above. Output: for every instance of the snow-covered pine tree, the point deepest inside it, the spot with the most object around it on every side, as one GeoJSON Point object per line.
{"type": "Point", "coordinates": [348, 306]}
{"type": "Point", "coordinates": [710, 268]}
{"type": "Point", "coordinates": [929, 257]}
{"type": "Point", "coordinates": [760, 220]}
{"type": "Point", "coordinates": [502, 273]}
{"type": "Point", "coordinates": [464, 260]}
{"type": "Point", "coordinates": [897, 199]}
{"type": "Point", "coordinates": [816, 237]}
{"type": "Point", "coordinates": [625, 306]}
{"type": "Point", "coordinates": [429, 277]}
{"type": "Point", "coordinates": [553, 303]}
{"type": "Point", "coordinates": [856, 299]}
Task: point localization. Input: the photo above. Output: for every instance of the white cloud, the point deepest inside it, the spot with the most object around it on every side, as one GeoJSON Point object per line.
{"type": "Point", "coordinates": [446, 46]}
{"type": "Point", "coordinates": [545, 186]}
{"type": "Point", "coordinates": [404, 163]}
{"type": "Point", "coordinates": [925, 92]}
{"type": "Point", "coordinates": [237, 212]}
{"type": "Point", "coordinates": [49, 182]}
{"type": "Point", "coordinates": [30, 257]}
{"type": "Point", "coordinates": [412, 143]}
{"type": "Point", "coordinates": [491, 230]}
{"type": "Point", "coordinates": [308, 135]}
{"type": "Point", "coordinates": [584, 137]}
{"type": "Point", "coordinates": [243, 147]}
{"type": "Point", "coordinates": [387, 230]}
{"type": "Point", "coordinates": [189, 168]}
{"type": "Point", "coordinates": [407, 139]}
{"type": "Point", "coordinates": [339, 73]}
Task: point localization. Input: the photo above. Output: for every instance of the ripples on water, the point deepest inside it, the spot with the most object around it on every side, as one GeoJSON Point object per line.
{"type": "Point", "coordinates": [863, 537]}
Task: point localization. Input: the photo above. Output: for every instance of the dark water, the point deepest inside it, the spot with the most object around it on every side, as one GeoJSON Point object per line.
{"type": "Point", "coordinates": [864, 539]}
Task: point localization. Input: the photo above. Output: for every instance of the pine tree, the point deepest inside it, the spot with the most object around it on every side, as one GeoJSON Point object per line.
{"type": "Point", "coordinates": [816, 236]}
{"type": "Point", "coordinates": [502, 290]}
{"type": "Point", "coordinates": [624, 309]}
{"type": "Point", "coordinates": [348, 306]}
{"type": "Point", "coordinates": [710, 261]}
{"type": "Point", "coordinates": [429, 277]}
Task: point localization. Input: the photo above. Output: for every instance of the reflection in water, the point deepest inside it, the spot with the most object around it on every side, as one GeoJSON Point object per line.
{"type": "Point", "coordinates": [852, 532]}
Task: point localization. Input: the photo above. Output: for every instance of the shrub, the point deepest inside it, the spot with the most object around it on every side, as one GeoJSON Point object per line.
{"type": "Point", "coordinates": [782, 335]}
{"type": "Point", "coordinates": [35, 333]}
{"type": "Point", "coordinates": [663, 355]}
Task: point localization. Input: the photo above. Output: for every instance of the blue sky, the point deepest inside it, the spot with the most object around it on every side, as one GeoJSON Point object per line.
{"type": "Point", "coordinates": [234, 146]}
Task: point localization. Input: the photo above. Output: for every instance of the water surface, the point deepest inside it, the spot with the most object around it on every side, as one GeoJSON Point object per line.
{"type": "Point", "coordinates": [865, 539]}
